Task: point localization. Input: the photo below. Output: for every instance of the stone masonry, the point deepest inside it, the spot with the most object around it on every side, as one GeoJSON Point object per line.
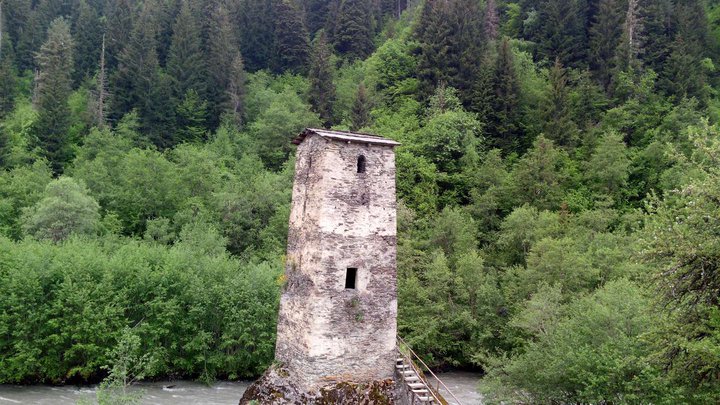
{"type": "Point", "coordinates": [338, 309]}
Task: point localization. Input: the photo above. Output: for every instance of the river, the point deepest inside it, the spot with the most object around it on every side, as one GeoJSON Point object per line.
{"type": "Point", "coordinates": [463, 385]}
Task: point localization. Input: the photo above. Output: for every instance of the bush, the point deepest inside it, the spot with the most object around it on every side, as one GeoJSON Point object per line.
{"type": "Point", "coordinates": [65, 307]}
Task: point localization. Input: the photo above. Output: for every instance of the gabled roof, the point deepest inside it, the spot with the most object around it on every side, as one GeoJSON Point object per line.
{"type": "Point", "coordinates": [344, 136]}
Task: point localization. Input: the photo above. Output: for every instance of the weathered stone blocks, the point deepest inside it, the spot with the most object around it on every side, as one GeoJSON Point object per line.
{"type": "Point", "coordinates": [341, 217]}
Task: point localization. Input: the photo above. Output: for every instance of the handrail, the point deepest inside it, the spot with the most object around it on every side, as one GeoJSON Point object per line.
{"type": "Point", "coordinates": [428, 369]}
{"type": "Point", "coordinates": [420, 375]}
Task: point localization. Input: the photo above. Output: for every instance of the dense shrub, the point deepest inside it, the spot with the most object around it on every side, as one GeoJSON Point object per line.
{"type": "Point", "coordinates": [63, 308]}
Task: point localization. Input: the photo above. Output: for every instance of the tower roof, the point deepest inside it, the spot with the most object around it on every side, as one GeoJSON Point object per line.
{"type": "Point", "coordinates": [344, 136]}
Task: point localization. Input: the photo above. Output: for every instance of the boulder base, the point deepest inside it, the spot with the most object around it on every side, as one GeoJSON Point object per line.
{"type": "Point", "coordinates": [275, 388]}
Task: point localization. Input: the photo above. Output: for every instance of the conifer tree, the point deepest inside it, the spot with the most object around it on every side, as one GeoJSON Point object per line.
{"type": "Point", "coordinates": [137, 67]}
{"type": "Point", "coordinates": [293, 50]}
{"type": "Point", "coordinates": [257, 36]}
{"type": "Point", "coordinates": [236, 89]}
{"type": "Point", "coordinates": [222, 50]}
{"type": "Point", "coordinates": [317, 12]}
{"type": "Point", "coordinates": [7, 70]}
{"type": "Point", "coordinates": [491, 21]}
{"type": "Point", "coordinates": [468, 44]}
{"type": "Point", "coordinates": [185, 60]}
{"type": "Point", "coordinates": [158, 112]}
{"type": "Point", "coordinates": [561, 32]}
{"type": "Point", "coordinates": [436, 61]}
{"type": "Point", "coordinates": [120, 17]}
{"type": "Point", "coordinates": [191, 115]}
{"type": "Point", "coordinates": [605, 34]}
{"type": "Point", "coordinates": [452, 45]}
{"type": "Point", "coordinates": [16, 14]}
{"type": "Point", "coordinates": [352, 34]}
{"type": "Point", "coordinates": [360, 113]}
{"type": "Point", "coordinates": [139, 84]}
{"type": "Point", "coordinates": [55, 62]}
{"type": "Point", "coordinates": [628, 53]}
{"type": "Point", "coordinates": [658, 24]}
{"type": "Point", "coordinates": [29, 41]}
{"type": "Point", "coordinates": [87, 33]}
{"type": "Point", "coordinates": [322, 88]}
{"type": "Point", "coordinates": [558, 124]}
{"type": "Point", "coordinates": [503, 117]}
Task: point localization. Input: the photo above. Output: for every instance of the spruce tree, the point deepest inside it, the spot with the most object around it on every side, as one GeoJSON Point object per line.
{"type": "Point", "coordinates": [658, 24]}
{"type": "Point", "coordinates": [120, 18]}
{"type": "Point", "coordinates": [504, 116]}
{"type": "Point", "coordinates": [236, 89]}
{"type": "Point", "coordinates": [191, 117]}
{"type": "Point", "coordinates": [7, 69]}
{"type": "Point", "coordinates": [139, 84]}
{"type": "Point", "coordinates": [257, 34]}
{"type": "Point", "coordinates": [29, 41]}
{"type": "Point", "coordinates": [360, 113]}
{"type": "Point", "coordinates": [293, 50]}
{"type": "Point", "coordinates": [683, 74]}
{"type": "Point", "coordinates": [605, 35]}
{"type": "Point", "coordinates": [87, 32]}
{"type": "Point", "coordinates": [317, 12]}
{"type": "Point", "coordinates": [491, 21]}
{"type": "Point", "coordinates": [557, 115]}
{"type": "Point", "coordinates": [157, 112]}
{"type": "Point", "coordinates": [561, 31]}
{"type": "Point", "coordinates": [352, 33]}
{"type": "Point", "coordinates": [137, 67]}
{"type": "Point", "coordinates": [55, 63]}
{"type": "Point", "coordinates": [322, 88]}
{"type": "Point", "coordinates": [627, 55]}
{"type": "Point", "coordinates": [186, 64]}
{"type": "Point", "coordinates": [16, 14]}
{"type": "Point", "coordinates": [436, 61]}
{"type": "Point", "coordinates": [222, 49]}
{"type": "Point", "coordinates": [468, 44]}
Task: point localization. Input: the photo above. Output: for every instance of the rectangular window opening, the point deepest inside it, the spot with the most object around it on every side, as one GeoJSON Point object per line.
{"type": "Point", "coordinates": [350, 278]}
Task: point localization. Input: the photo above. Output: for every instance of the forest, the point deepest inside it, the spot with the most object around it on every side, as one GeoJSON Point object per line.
{"type": "Point", "coordinates": [558, 184]}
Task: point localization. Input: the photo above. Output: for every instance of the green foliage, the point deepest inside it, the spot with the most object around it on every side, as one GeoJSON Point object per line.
{"type": "Point", "coordinates": [547, 147]}
{"type": "Point", "coordinates": [185, 64]}
{"type": "Point", "coordinates": [68, 306]}
{"type": "Point", "coordinates": [65, 209]}
{"type": "Point", "coordinates": [594, 352]}
{"type": "Point", "coordinates": [291, 36]}
{"type": "Point", "coordinates": [351, 32]}
{"type": "Point", "coordinates": [55, 60]}
{"type": "Point", "coordinates": [191, 115]}
{"type": "Point", "coordinates": [360, 114]}
{"type": "Point", "coordinates": [679, 240]}
{"type": "Point", "coordinates": [322, 89]}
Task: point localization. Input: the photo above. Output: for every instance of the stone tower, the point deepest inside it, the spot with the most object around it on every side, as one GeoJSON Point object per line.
{"type": "Point", "coordinates": [338, 309]}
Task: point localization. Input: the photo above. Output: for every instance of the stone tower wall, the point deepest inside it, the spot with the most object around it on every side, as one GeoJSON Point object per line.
{"type": "Point", "coordinates": [340, 219]}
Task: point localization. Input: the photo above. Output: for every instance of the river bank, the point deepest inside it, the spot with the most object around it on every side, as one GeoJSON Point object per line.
{"type": "Point", "coordinates": [463, 384]}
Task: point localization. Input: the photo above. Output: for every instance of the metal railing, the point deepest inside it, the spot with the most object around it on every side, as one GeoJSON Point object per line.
{"type": "Point", "coordinates": [412, 359]}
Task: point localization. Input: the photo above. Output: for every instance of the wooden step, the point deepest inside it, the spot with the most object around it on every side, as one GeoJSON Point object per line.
{"type": "Point", "coordinates": [401, 366]}
{"type": "Point", "coordinates": [422, 391]}
{"type": "Point", "coordinates": [416, 385]}
{"type": "Point", "coordinates": [425, 399]}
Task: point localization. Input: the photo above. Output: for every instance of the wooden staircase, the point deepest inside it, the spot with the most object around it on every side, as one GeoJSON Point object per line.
{"type": "Point", "coordinates": [421, 392]}
{"type": "Point", "coordinates": [417, 377]}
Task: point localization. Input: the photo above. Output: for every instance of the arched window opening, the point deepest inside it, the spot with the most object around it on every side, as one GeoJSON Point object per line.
{"type": "Point", "coordinates": [361, 164]}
